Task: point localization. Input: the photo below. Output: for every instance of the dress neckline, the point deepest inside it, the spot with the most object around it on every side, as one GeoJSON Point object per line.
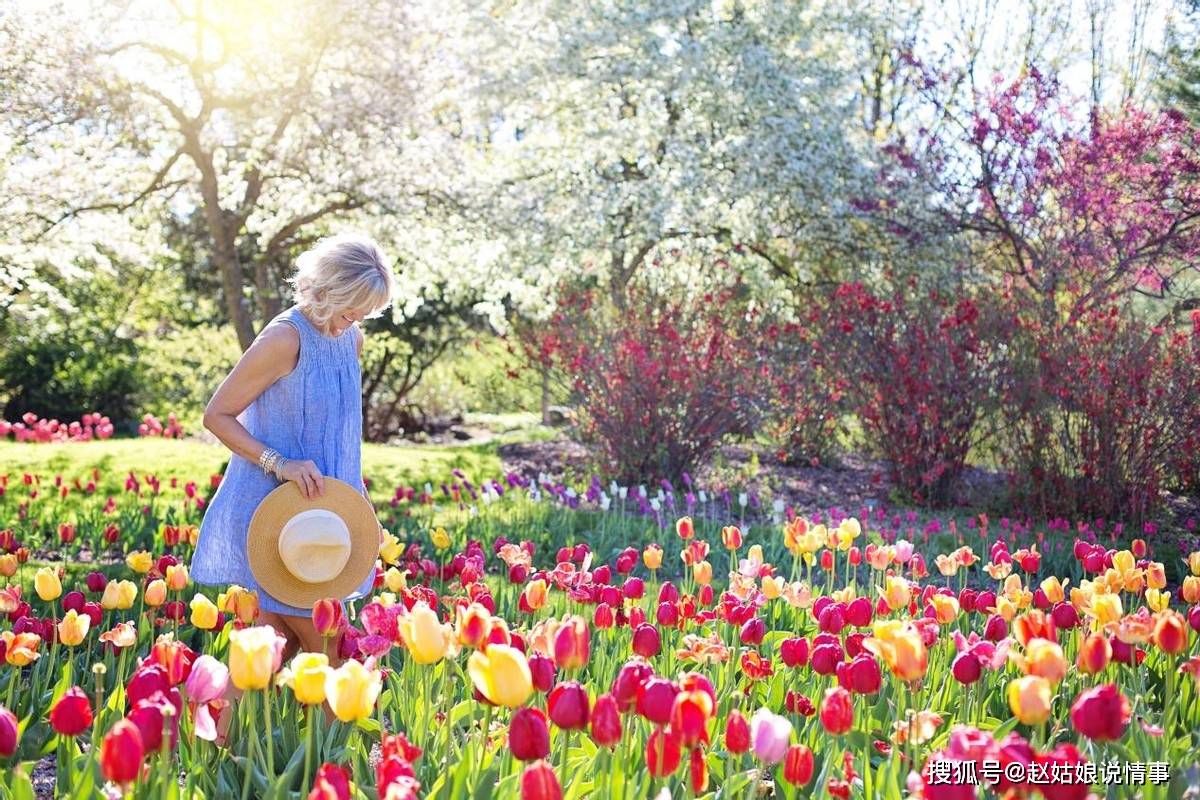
{"type": "Point", "coordinates": [317, 330]}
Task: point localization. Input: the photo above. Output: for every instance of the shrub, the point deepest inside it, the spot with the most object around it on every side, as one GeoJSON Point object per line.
{"type": "Point", "coordinates": [661, 382]}
{"type": "Point", "coordinates": [920, 367]}
{"type": "Point", "coordinates": [808, 396]}
{"type": "Point", "coordinates": [1100, 415]}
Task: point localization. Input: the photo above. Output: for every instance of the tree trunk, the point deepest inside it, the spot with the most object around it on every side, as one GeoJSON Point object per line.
{"type": "Point", "coordinates": [267, 293]}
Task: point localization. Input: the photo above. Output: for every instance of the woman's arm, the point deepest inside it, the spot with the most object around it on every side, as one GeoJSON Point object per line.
{"type": "Point", "coordinates": [273, 355]}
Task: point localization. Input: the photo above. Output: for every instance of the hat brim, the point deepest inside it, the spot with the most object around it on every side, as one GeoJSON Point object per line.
{"type": "Point", "coordinates": [262, 542]}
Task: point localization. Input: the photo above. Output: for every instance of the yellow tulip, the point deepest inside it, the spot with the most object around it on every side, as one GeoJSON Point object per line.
{"type": "Point", "coordinates": [73, 627]}
{"type": "Point", "coordinates": [1053, 589]}
{"type": "Point", "coordinates": [652, 556]}
{"type": "Point", "coordinates": [204, 613]}
{"type": "Point", "coordinates": [240, 602]}
{"type": "Point", "coordinates": [945, 608]}
{"type": "Point", "coordinates": [307, 677]}
{"type": "Point", "coordinates": [1106, 608]}
{"type": "Point", "coordinates": [20, 649]}
{"type": "Point", "coordinates": [139, 561]}
{"type": "Point", "coordinates": [1156, 576]}
{"type": "Point", "coordinates": [177, 577]}
{"type": "Point", "coordinates": [254, 655]}
{"type": "Point", "coordinates": [896, 592]}
{"type": "Point", "coordinates": [156, 593]}
{"type": "Point", "coordinates": [1044, 658]}
{"type": "Point", "coordinates": [390, 549]}
{"type": "Point", "coordinates": [440, 539]}
{"type": "Point", "coordinates": [1191, 590]}
{"type": "Point", "coordinates": [1123, 561]}
{"type": "Point", "coordinates": [426, 638]}
{"type": "Point", "coordinates": [501, 674]}
{"type": "Point", "coordinates": [1029, 698]}
{"type": "Point", "coordinates": [702, 572]}
{"type": "Point", "coordinates": [535, 594]}
{"type": "Point", "coordinates": [772, 586]}
{"type": "Point", "coordinates": [1157, 600]}
{"type": "Point", "coordinates": [47, 585]}
{"type": "Point", "coordinates": [118, 595]}
{"type": "Point", "coordinates": [352, 690]}
{"type": "Point", "coordinates": [847, 532]}
{"type": "Point", "coordinates": [1193, 561]}
{"type": "Point", "coordinates": [899, 644]}
{"type": "Point", "coordinates": [396, 580]}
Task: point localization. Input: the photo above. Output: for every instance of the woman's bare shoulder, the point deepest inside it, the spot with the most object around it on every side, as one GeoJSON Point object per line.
{"type": "Point", "coordinates": [275, 350]}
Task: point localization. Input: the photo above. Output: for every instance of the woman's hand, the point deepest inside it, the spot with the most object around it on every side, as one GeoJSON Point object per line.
{"type": "Point", "coordinates": [306, 476]}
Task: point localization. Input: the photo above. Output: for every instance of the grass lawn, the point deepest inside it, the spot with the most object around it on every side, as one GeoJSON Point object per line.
{"type": "Point", "coordinates": [192, 459]}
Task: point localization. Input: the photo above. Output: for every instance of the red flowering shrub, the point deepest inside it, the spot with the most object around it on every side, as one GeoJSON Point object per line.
{"type": "Point", "coordinates": [1092, 230]}
{"type": "Point", "coordinates": [807, 396]}
{"type": "Point", "coordinates": [1100, 416]}
{"type": "Point", "coordinates": [660, 382]}
{"type": "Point", "coordinates": [920, 368]}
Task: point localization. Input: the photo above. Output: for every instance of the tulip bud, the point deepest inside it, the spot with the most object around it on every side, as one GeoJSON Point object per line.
{"type": "Point", "coordinates": [538, 782]}
{"type": "Point", "coordinates": [655, 699]}
{"type": "Point", "coordinates": [663, 752]}
{"type": "Point", "coordinates": [542, 672]}
{"type": "Point", "coordinates": [771, 736]}
{"type": "Point", "coordinates": [752, 632]}
{"type": "Point", "coordinates": [1170, 632]}
{"type": "Point", "coordinates": [529, 734]}
{"type": "Point", "coordinates": [794, 652]}
{"type": "Point", "coordinates": [1101, 713]}
{"type": "Point", "coordinates": [737, 733]}
{"type": "Point", "coordinates": [798, 765]}
{"type": "Point", "coordinates": [628, 684]}
{"type": "Point", "coordinates": [646, 641]}
{"type": "Point", "coordinates": [568, 705]}
{"type": "Point", "coordinates": [837, 711]}
{"type": "Point", "coordinates": [328, 617]}
{"type": "Point", "coordinates": [121, 753]}
{"type": "Point", "coordinates": [10, 732]}
{"type": "Point", "coordinates": [966, 668]}
{"type": "Point", "coordinates": [572, 644]}
{"type": "Point", "coordinates": [606, 721]}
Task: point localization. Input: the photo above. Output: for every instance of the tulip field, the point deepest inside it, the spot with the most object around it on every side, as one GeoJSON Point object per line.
{"type": "Point", "coordinates": [535, 640]}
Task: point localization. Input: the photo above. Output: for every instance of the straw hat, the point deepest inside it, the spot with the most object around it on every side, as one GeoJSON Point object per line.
{"type": "Point", "coordinates": [302, 551]}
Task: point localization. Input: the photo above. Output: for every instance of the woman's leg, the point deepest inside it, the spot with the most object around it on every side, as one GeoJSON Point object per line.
{"type": "Point", "coordinates": [283, 627]}
{"type": "Point", "coordinates": [313, 642]}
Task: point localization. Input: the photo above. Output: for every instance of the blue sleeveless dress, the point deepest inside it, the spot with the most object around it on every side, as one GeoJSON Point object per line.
{"type": "Point", "coordinates": [315, 413]}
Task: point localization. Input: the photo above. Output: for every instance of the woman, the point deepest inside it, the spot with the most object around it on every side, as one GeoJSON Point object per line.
{"type": "Point", "coordinates": [291, 410]}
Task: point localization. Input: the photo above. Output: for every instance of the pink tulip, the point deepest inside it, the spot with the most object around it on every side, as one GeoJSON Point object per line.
{"type": "Point", "coordinates": [771, 735]}
{"type": "Point", "coordinates": [208, 680]}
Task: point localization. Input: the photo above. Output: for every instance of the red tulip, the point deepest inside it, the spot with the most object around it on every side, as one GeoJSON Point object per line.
{"type": "Point", "coordinates": [606, 721]}
{"type": "Point", "coordinates": [798, 765]}
{"type": "Point", "coordinates": [10, 732]}
{"type": "Point", "coordinates": [96, 582]}
{"type": "Point", "coordinates": [698, 771]}
{"type": "Point", "coordinates": [826, 559]}
{"type": "Point", "coordinates": [656, 697]}
{"type": "Point", "coordinates": [634, 588]}
{"type": "Point", "coordinates": [628, 684]}
{"type": "Point", "coordinates": [1101, 713]}
{"type": "Point", "coordinates": [861, 676]}
{"type": "Point", "coordinates": [1064, 760]}
{"type": "Point", "coordinates": [538, 782]}
{"type": "Point", "coordinates": [858, 612]}
{"type": "Point", "coordinates": [689, 717]}
{"type": "Point", "coordinates": [568, 705]}
{"type": "Point", "coordinates": [663, 752]}
{"type": "Point", "coordinates": [147, 680]}
{"type": "Point", "coordinates": [966, 668]}
{"type": "Point", "coordinates": [837, 711]}
{"type": "Point", "coordinates": [603, 618]}
{"type": "Point", "coordinates": [541, 669]}
{"type": "Point", "coordinates": [72, 714]}
{"type": "Point", "coordinates": [328, 617]}
{"type": "Point", "coordinates": [752, 632]}
{"type": "Point", "coordinates": [794, 652]}
{"type": "Point", "coordinates": [529, 735]}
{"type": "Point", "coordinates": [646, 641]}
{"type": "Point", "coordinates": [737, 733]}
{"type": "Point", "coordinates": [121, 753]}
{"type": "Point", "coordinates": [151, 716]}
{"type": "Point", "coordinates": [332, 783]}
{"type": "Point", "coordinates": [572, 644]}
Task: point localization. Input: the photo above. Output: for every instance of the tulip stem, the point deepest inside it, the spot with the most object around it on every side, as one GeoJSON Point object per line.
{"type": "Point", "coordinates": [308, 748]}
{"type": "Point", "coordinates": [268, 734]}
{"type": "Point", "coordinates": [248, 699]}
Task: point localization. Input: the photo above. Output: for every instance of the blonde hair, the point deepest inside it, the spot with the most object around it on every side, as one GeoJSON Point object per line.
{"type": "Point", "coordinates": [342, 272]}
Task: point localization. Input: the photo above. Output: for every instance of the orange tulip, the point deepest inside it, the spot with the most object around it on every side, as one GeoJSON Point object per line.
{"type": "Point", "coordinates": [1170, 632]}
{"type": "Point", "coordinates": [1043, 658]}
{"type": "Point", "coordinates": [1094, 654]}
{"type": "Point", "coordinates": [900, 645]}
{"type": "Point", "coordinates": [1029, 698]}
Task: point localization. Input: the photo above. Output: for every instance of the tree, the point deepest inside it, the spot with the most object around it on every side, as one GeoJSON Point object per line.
{"type": "Point", "coordinates": [269, 119]}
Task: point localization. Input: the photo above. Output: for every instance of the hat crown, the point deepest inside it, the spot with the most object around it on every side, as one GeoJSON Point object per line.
{"type": "Point", "coordinates": [315, 545]}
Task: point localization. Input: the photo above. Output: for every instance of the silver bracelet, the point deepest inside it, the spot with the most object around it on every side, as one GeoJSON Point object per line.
{"type": "Point", "coordinates": [277, 468]}
{"type": "Point", "coordinates": [267, 461]}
